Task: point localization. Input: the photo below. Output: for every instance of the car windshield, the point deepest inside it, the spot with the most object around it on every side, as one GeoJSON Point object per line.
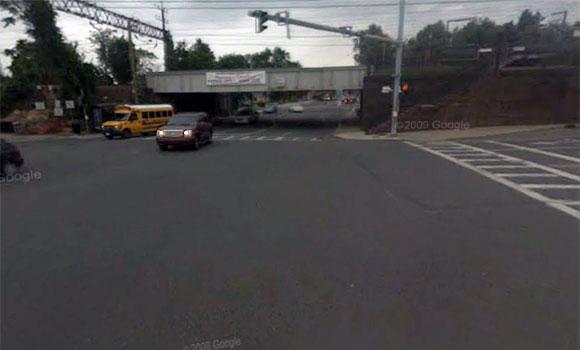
{"type": "Point", "coordinates": [184, 120]}
{"type": "Point", "coordinates": [122, 116]}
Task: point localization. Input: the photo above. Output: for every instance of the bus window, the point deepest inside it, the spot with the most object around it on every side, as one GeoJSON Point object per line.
{"type": "Point", "coordinates": [145, 115]}
{"type": "Point", "coordinates": [158, 114]}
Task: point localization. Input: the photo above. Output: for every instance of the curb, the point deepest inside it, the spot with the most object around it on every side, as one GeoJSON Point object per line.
{"type": "Point", "coordinates": [442, 135]}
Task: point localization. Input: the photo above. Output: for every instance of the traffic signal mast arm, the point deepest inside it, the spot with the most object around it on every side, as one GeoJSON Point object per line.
{"type": "Point", "coordinates": [263, 17]}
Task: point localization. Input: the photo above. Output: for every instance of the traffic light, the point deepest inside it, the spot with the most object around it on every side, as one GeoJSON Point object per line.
{"type": "Point", "coordinates": [405, 88]}
{"type": "Point", "coordinates": [262, 19]}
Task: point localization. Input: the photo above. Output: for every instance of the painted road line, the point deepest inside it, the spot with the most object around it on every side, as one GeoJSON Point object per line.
{"type": "Point", "coordinates": [535, 150]}
{"type": "Point", "coordinates": [532, 164]}
{"type": "Point", "coordinates": [466, 154]}
{"type": "Point", "coordinates": [485, 160]}
{"type": "Point", "coordinates": [527, 175]}
{"type": "Point", "coordinates": [551, 186]}
{"type": "Point", "coordinates": [505, 166]}
{"type": "Point", "coordinates": [261, 138]}
{"type": "Point", "coordinates": [504, 181]}
{"type": "Point", "coordinates": [557, 142]}
{"type": "Point", "coordinates": [228, 138]}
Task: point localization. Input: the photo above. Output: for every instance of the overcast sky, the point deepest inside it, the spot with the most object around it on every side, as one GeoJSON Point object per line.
{"type": "Point", "coordinates": [232, 31]}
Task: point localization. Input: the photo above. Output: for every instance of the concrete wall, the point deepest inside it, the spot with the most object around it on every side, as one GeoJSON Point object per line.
{"type": "Point", "coordinates": [278, 79]}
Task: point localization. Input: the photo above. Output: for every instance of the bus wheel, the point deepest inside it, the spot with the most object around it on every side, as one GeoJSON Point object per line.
{"type": "Point", "coordinates": [126, 133]}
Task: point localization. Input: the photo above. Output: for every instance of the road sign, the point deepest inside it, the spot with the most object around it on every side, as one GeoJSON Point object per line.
{"type": "Point", "coordinates": [386, 90]}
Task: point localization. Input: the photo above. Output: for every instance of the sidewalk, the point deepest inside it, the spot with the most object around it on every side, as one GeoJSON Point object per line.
{"type": "Point", "coordinates": [20, 138]}
{"type": "Point", "coordinates": [355, 133]}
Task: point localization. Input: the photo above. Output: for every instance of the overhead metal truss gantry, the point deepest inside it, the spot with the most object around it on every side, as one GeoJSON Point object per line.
{"type": "Point", "coordinates": [101, 15]}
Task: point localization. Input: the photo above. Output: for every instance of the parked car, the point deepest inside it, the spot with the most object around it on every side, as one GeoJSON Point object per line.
{"type": "Point", "coordinates": [190, 129]}
{"type": "Point", "coordinates": [348, 100]}
{"type": "Point", "coordinates": [271, 108]}
{"type": "Point", "coordinates": [246, 115]}
{"type": "Point", "coordinates": [10, 157]}
{"type": "Point", "coordinates": [296, 109]}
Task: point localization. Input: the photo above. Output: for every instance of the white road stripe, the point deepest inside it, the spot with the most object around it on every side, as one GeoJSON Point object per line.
{"type": "Point", "coordinates": [483, 160]}
{"type": "Point", "coordinates": [467, 154]}
{"type": "Point", "coordinates": [505, 166]}
{"type": "Point", "coordinates": [534, 150]}
{"type": "Point", "coordinates": [550, 186]}
{"type": "Point", "coordinates": [527, 175]}
{"type": "Point", "coordinates": [528, 192]}
{"type": "Point", "coordinates": [531, 164]}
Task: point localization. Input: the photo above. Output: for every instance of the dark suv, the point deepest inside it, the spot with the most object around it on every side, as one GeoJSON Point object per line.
{"type": "Point", "coordinates": [185, 129]}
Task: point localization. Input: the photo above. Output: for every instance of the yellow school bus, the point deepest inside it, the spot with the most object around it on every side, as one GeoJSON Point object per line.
{"type": "Point", "coordinates": [137, 120]}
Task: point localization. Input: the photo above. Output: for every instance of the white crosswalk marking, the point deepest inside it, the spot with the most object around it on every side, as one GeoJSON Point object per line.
{"type": "Point", "coordinates": [532, 170]}
{"type": "Point", "coordinates": [286, 137]}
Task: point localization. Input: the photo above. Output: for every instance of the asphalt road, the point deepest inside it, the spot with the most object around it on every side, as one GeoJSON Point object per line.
{"type": "Point", "coordinates": [303, 242]}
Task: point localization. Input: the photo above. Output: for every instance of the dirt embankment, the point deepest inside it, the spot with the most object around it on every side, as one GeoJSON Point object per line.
{"type": "Point", "coordinates": [512, 98]}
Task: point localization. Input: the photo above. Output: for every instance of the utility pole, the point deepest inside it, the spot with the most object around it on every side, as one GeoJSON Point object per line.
{"type": "Point", "coordinates": [132, 63]}
{"type": "Point", "coordinates": [398, 69]}
{"type": "Point", "coordinates": [166, 37]}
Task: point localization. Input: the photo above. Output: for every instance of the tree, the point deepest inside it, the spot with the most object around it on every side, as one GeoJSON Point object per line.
{"type": "Point", "coordinates": [197, 56]}
{"type": "Point", "coordinates": [482, 33]}
{"type": "Point", "coordinates": [232, 61]}
{"type": "Point", "coordinates": [45, 59]}
{"type": "Point", "coordinates": [276, 58]}
{"type": "Point", "coordinates": [113, 55]}
{"type": "Point", "coordinates": [529, 20]}
{"type": "Point", "coordinates": [430, 41]}
{"type": "Point", "coordinates": [371, 52]}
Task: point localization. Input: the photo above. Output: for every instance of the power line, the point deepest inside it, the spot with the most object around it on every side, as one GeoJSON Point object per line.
{"type": "Point", "coordinates": [319, 6]}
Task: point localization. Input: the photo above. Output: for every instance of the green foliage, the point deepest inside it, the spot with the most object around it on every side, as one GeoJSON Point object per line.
{"type": "Point", "coordinates": [232, 61]}
{"type": "Point", "coordinates": [45, 59]}
{"type": "Point", "coordinates": [479, 33]}
{"type": "Point", "coordinates": [433, 39]}
{"type": "Point", "coordinates": [113, 55]}
{"type": "Point", "coordinates": [430, 40]}
{"type": "Point", "coordinates": [197, 56]}
{"type": "Point", "coordinates": [370, 52]}
{"type": "Point", "coordinates": [200, 56]}
{"type": "Point", "coordinates": [276, 58]}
